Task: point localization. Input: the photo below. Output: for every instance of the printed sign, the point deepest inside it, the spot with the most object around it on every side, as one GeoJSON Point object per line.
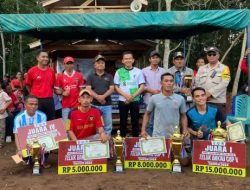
{"type": "Point", "coordinates": [223, 158]}
{"type": "Point", "coordinates": [71, 159]}
{"type": "Point", "coordinates": [134, 158]}
{"type": "Point", "coordinates": [48, 134]}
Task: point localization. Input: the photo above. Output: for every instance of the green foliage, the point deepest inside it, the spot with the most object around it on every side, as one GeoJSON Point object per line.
{"type": "Point", "coordinates": [12, 40]}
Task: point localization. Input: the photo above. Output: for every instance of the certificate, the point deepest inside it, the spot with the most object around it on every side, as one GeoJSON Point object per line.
{"type": "Point", "coordinates": [96, 150]}
{"type": "Point", "coordinates": [47, 142]}
{"type": "Point", "coordinates": [236, 132]}
{"type": "Point", "coordinates": [154, 145]}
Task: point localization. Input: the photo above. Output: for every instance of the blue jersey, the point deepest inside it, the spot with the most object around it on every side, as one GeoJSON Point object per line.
{"type": "Point", "coordinates": [205, 122]}
{"type": "Point", "coordinates": [23, 119]}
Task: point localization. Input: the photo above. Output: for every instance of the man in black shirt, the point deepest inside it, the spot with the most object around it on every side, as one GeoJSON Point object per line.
{"type": "Point", "coordinates": [101, 86]}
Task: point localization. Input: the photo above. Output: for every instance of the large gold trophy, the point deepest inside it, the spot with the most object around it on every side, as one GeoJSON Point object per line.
{"type": "Point", "coordinates": [118, 147]}
{"type": "Point", "coordinates": [188, 79]}
{"type": "Point", "coordinates": [36, 152]}
{"type": "Point", "coordinates": [219, 134]}
{"type": "Point", "coordinates": [177, 143]}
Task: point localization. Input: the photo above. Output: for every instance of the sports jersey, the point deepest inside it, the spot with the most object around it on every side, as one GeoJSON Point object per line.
{"type": "Point", "coordinates": [85, 124]}
{"type": "Point", "coordinates": [129, 81]}
{"type": "Point", "coordinates": [41, 82]}
{"type": "Point", "coordinates": [74, 82]}
{"type": "Point", "coordinates": [23, 119]}
{"type": "Point", "coordinates": [205, 122]}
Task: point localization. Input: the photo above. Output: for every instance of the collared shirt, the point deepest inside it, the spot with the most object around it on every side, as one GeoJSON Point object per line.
{"type": "Point", "coordinates": [167, 110]}
{"type": "Point", "coordinates": [23, 119]}
{"type": "Point", "coordinates": [214, 80]}
{"type": "Point", "coordinates": [3, 99]}
{"type": "Point", "coordinates": [152, 80]}
{"type": "Point", "coordinates": [100, 84]}
{"type": "Point", "coordinates": [179, 76]}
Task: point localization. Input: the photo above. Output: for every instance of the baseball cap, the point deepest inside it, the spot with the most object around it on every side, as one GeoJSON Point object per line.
{"type": "Point", "coordinates": [154, 52]}
{"type": "Point", "coordinates": [98, 57]}
{"type": "Point", "coordinates": [68, 59]}
{"type": "Point", "coordinates": [211, 49]}
{"type": "Point", "coordinates": [84, 91]}
{"type": "Point", "coordinates": [178, 54]}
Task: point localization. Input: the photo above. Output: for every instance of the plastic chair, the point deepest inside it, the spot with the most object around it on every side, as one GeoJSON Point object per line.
{"type": "Point", "coordinates": [242, 112]}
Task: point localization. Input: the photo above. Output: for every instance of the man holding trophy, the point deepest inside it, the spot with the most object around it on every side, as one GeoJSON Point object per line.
{"type": "Point", "coordinates": [30, 116]}
{"type": "Point", "coordinates": [183, 76]}
{"type": "Point", "coordinates": [170, 111]}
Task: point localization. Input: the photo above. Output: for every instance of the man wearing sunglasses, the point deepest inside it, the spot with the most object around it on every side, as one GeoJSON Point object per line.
{"type": "Point", "coordinates": [214, 77]}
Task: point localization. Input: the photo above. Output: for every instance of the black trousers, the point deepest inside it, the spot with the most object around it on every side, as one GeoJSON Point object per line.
{"type": "Point", "coordinates": [47, 106]}
{"type": "Point", "coordinates": [221, 107]}
{"type": "Point", "coordinates": [133, 107]}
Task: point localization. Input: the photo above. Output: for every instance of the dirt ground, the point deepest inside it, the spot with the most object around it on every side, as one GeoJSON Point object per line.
{"type": "Point", "coordinates": [19, 177]}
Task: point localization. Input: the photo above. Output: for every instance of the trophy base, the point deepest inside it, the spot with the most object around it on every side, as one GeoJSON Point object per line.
{"type": "Point", "coordinates": [189, 99]}
{"type": "Point", "coordinates": [176, 168]}
{"type": "Point", "coordinates": [119, 168]}
{"type": "Point", "coordinates": [36, 171]}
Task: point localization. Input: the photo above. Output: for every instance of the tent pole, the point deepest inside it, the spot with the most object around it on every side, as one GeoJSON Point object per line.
{"type": "Point", "coordinates": [248, 58]}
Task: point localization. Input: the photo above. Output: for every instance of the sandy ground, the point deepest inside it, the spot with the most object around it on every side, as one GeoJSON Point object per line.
{"type": "Point", "coordinates": [17, 177]}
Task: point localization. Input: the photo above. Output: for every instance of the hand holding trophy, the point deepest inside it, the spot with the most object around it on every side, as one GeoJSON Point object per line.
{"type": "Point", "coordinates": [188, 79]}
{"type": "Point", "coordinates": [118, 147]}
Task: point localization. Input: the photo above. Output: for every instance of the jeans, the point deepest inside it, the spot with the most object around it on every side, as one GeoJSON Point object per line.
{"type": "Point", "coordinates": [133, 107]}
{"type": "Point", "coordinates": [106, 112]}
{"type": "Point", "coordinates": [65, 116]}
{"type": "Point", "coordinates": [150, 126]}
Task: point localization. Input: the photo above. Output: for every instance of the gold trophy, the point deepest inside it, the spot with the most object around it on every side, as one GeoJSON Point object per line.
{"type": "Point", "coordinates": [188, 79]}
{"type": "Point", "coordinates": [176, 142]}
{"type": "Point", "coordinates": [118, 146]}
{"type": "Point", "coordinates": [219, 134]}
{"type": "Point", "coordinates": [35, 152]}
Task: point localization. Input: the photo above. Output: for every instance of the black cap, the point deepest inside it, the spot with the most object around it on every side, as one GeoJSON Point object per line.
{"type": "Point", "coordinates": [211, 49]}
{"type": "Point", "coordinates": [153, 53]}
{"type": "Point", "coordinates": [178, 54]}
{"type": "Point", "coordinates": [98, 57]}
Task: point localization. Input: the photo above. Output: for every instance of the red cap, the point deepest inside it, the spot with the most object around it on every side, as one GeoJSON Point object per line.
{"type": "Point", "coordinates": [68, 59]}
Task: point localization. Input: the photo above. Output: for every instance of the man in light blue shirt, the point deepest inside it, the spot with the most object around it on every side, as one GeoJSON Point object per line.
{"type": "Point", "coordinates": [29, 116]}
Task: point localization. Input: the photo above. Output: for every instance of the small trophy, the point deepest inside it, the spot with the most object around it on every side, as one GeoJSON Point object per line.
{"type": "Point", "coordinates": [35, 152]}
{"type": "Point", "coordinates": [188, 84]}
{"type": "Point", "coordinates": [118, 146]}
{"type": "Point", "coordinates": [219, 134]}
{"type": "Point", "coordinates": [176, 142]}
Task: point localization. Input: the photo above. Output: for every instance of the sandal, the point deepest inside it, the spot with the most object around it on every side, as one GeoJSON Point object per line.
{"type": "Point", "coordinates": [46, 165]}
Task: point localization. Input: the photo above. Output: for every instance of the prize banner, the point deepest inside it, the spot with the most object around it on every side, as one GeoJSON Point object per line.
{"type": "Point", "coordinates": [134, 158]}
{"type": "Point", "coordinates": [48, 134]}
{"type": "Point", "coordinates": [222, 158]}
{"type": "Point", "coordinates": [72, 154]}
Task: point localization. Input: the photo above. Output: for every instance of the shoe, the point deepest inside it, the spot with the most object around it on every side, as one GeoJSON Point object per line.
{"type": "Point", "coordinates": [8, 139]}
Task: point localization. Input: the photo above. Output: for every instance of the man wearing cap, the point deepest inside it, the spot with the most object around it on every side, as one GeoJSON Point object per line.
{"type": "Point", "coordinates": [214, 77]}
{"type": "Point", "coordinates": [179, 70]}
{"type": "Point", "coordinates": [40, 81]}
{"type": "Point", "coordinates": [68, 84]}
{"type": "Point", "coordinates": [86, 120]}
{"type": "Point", "coordinates": [152, 75]}
{"type": "Point", "coordinates": [129, 83]}
{"type": "Point", "coordinates": [101, 86]}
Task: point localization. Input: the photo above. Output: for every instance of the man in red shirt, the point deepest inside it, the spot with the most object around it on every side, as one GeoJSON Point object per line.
{"type": "Point", "coordinates": [86, 121]}
{"type": "Point", "coordinates": [68, 84]}
{"type": "Point", "coordinates": [40, 81]}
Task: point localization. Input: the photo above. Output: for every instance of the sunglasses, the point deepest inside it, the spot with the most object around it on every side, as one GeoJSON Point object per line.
{"type": "Point", "coordinates": [211, 54]}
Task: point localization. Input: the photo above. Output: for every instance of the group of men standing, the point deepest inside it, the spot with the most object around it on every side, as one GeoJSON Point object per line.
{"type": "Point", "coordinates": [85, 101]}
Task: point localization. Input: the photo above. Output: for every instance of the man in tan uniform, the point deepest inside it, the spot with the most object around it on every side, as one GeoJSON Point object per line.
{"type": "Point", "coordinates": [214, 77]}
